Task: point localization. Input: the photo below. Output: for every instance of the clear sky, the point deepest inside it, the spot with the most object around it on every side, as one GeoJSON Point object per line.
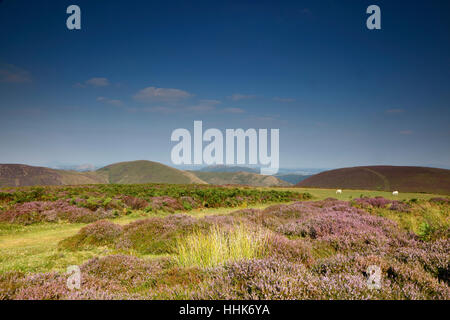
{"type": "Point", "coordinates": [341, 95]}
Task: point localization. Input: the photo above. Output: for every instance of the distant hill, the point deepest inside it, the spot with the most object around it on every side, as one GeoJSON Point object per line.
{"type": "Point", "coordinates": [293, 178]}
{"type": "Point", "coordinates": [242, 178]}
{"type": "Point", "coordinates": [385, 178]}
{"type": "Point", "coordinates": [223, 168]}
{"type": "Point", "coordinates": [19, 175]}
{"type": "Point", "coordinates": [81, 168]}
{"type": "Point", "coordinates": [144, 171]}
{"type": "Point", "coordinates": [15, 175]}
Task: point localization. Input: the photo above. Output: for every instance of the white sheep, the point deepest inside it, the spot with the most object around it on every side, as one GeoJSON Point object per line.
{"type": "Point", "coordinates": [395, 193]}
{"type": "Point", "coordinates": [338, 191]}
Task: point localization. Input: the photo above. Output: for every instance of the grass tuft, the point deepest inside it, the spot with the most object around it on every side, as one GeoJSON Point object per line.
{"type": "Point", "coordinates": [218, 246]}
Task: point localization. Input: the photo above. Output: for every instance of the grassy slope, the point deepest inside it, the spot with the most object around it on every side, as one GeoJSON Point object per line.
{"type": "Point", "coordinates": [74, 178]}
{"type": "Point", "coordinates": [320, 194]}
{"type": "Point", "coordinates": [383, 178]}
{"type": "Point", "coordinates": [143, 171]}
{"type": "Point", "coordinates": [242, 178]}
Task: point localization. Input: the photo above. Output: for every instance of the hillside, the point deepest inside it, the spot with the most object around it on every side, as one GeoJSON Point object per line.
{"type": "Point", "coordinates": [290, 178]}
{"type": "Point", "coordinates": [293, 178]}
{"type": "Point", "coordinates": [243, 178]}
{"type": "Point", "coordinates": [14, 175]}
{"type": "Point", "coordinates": [143, 171]}
{"type": "Point", "coordinates": [386, 178]}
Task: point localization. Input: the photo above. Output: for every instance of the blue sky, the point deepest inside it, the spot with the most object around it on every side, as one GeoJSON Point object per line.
{"type": "Point", "coordinates": [340, 94]}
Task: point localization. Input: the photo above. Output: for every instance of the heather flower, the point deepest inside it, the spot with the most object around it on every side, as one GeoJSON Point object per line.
{"type": "Point", "coordinates": [343, 226]}
{"type": "Point", "coordinates": [99, 233]}
{"type": "Point", "coordinates": [135, 203]}
{"type": "Point", "coordinates": [50, 211]}
{"type": "Point", "coordinates": [380, 202]}
{"type": "Point", "coordinates": [291, 250]}
{"type": "Point", "coordinates": [53, 286]}
{"type": "Point", "coordinates": [156, 235]}
{"type": "Point", "coordinates": [127, 270]}
{"type": "Point", "coordinates": [165, 203]}
{"type": "Point", "coordinates": [10, 282]}
{"type": "Point", "coordinates": [440, 200]}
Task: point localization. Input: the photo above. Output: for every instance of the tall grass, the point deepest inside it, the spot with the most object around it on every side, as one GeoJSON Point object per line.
{"type": "Point", "coordinates": [218, 246]}
{"type": "Point", "coordinates": [425, 219]}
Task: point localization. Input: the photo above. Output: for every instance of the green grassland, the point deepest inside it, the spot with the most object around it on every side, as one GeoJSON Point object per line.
{"type": "Point", "coordinates": [218, 225]}
{"type": "Point", "coordinates": [34, 248]}
{"type": "Point", "coordinates": [320, 194]}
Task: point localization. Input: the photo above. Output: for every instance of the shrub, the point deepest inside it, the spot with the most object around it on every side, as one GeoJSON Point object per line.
{"type": "Point", "coordinates": [380, 202]}
{"type": "Point", "coordinates": [135, 203]}
{"type": "Point", "coordinates": [99, 233]}
{"type": "Point", "coordinates": [440, 200]}
{"type": "Point", "coordinates": [156, 235]}
{"type": "Point", "coordinates": [10, 283]}
{"type": "Point", "coordinates": [127, 270]}
{"type": "Point", "coordinates": [50, 211]}
{"type": "Point", "coordinates": [52, 286]}
{"type": "Point", "coordinates": [339, 277]}
{"type": "Point", "coordinates": [432, 256]}
{"type": "Point", "coordinates": [298, 251]}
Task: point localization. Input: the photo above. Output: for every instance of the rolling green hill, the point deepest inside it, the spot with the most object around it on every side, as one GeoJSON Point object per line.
{"type": "Point", "coordinates": [383, 178]}
{"type": "Point", "coordinates": [242, 178]}
{"type": "Point", "coordinates": [143, 171]}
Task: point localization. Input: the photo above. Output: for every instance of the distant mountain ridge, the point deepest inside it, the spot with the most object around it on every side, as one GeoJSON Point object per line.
{"type": "Point", "coordinates": [15, 175]}
{"type": "Point", "coordinates": [386, 178]}
{"type": "Point", "coordinates": [242, 178]}
{"type": "Point", "coordinates": [81, 168]}
{"type": "Point", "coordinates": [141, 171]}
{"type": "Point", "coordinates": [286, 175]}
{"type": "Point", "coordinates": [224, 168]}
{"type": "Point", "coordinates": [383, 178]}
